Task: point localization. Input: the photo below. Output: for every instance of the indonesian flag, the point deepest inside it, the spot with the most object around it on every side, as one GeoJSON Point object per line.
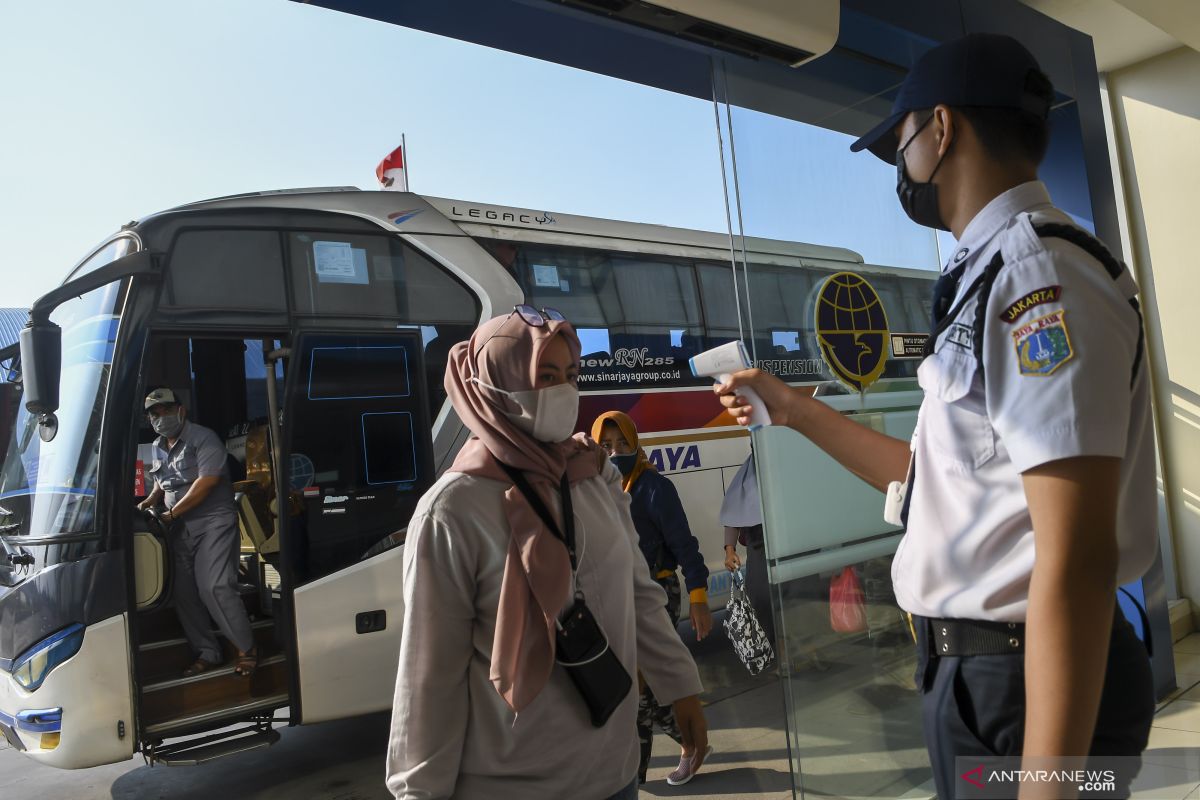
{"type": "Point", "coordinates": [390, 171]}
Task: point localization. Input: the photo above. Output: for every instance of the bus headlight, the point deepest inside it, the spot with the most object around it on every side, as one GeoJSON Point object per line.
{"type": "Point", "coordinates": [31, 668]}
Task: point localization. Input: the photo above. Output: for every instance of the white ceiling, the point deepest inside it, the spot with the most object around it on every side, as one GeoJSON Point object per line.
{"type": "Point", "coordinates": [1128, 31]}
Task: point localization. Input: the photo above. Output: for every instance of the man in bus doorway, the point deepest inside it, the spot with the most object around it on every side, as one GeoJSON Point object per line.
{"type": "Point", "coordinates": [190, 475]}
{"type": "Point", "coordinates": [1028, 485]}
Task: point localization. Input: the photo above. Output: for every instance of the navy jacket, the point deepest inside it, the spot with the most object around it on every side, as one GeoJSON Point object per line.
{"type": "Point", "coordinates": [663, 533]}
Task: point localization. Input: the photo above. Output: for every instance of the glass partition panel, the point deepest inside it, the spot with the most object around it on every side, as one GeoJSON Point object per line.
{"type": "Point", "coordinates": [826, 267]}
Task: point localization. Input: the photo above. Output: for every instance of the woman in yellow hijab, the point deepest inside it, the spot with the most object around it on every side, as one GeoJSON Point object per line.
{"type": "Point", "coordinates": [667, 542]}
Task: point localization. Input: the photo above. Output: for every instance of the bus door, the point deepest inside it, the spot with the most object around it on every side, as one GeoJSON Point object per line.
{"type": "Point", "coordinates": [358, 455]}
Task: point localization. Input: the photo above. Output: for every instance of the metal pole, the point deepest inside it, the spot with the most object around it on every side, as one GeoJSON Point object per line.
{"type": "Point", "coordinates": [281, 498]}
{"type": "Point", "coordinates": [404, 154]}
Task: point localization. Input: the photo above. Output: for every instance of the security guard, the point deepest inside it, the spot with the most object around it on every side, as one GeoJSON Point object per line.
{"type": "Point", "coordinates": [1034, 436]}
{"type": "Point", "coordinates": [189, 472]}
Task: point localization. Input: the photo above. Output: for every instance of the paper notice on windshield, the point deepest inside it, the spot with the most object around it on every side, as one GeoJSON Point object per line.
{"type": "Point", "coordinates": [545, 275]}
{"type": "Point", "coordinates": [338, 262]}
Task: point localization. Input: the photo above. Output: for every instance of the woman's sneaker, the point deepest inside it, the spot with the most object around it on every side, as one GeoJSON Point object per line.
{"type": "Point", "coordinates": [687, 768]}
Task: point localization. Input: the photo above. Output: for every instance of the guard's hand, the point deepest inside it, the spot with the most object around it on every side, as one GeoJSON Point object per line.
{"type": "Point", "coordinates": [732, 560]}
{"type": "Point", "coordinates": [776, 395]}
{"type": "Point", "coordinates": [702, 621]}
{"type": "Point", "coordinates": [693, 728]}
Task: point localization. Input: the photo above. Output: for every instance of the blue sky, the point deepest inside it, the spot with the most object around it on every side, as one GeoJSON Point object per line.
{"type": "Point", "coordinates": [119, 109]}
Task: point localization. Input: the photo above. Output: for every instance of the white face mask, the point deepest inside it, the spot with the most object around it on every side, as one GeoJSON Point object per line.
{"type": "Point", "coordinates": [547, 415]}
{"type": "Point", "coordinates": [168, 425]}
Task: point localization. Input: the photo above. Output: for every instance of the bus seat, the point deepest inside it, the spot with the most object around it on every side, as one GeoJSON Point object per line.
{"type": "Point", "coordinates": [254, 519]}
{"type": "Point", "coordinates": [149, 568]}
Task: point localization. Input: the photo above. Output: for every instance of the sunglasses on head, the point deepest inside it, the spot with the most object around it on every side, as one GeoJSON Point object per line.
{"type": "Point", "coordinates": [538, 317]}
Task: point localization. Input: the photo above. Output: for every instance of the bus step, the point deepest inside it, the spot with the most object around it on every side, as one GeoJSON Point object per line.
{"type": "Point", "coordinates": [255, 625]}
{"type": "Point", "coordinates": [209, 675]}
{"type": "Point", "coordinates": [209, 717]}
{"type": "Point", "coordinates": [191, 752]}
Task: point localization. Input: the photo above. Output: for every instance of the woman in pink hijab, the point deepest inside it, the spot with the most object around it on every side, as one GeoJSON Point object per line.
{"type": "Point", "coordinates": [483, 709]}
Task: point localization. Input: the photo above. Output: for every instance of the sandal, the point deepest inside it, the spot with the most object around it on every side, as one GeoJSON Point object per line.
{"type": "Point", "coordinates": [199, 666]}
{"type": "Point", "coordinates": [247, 663]}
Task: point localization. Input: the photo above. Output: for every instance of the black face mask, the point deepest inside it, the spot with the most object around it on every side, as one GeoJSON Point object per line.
{"type": "Point", "coordinates": [624, 462]}
{"type": "Point", "coordinates": [919, 200]}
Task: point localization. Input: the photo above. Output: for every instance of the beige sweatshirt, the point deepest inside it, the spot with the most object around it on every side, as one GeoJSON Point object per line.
{"type": "Point", "coordinates": [452, 735]}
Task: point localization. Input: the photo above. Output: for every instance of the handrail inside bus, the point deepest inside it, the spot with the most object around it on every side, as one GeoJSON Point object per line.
{"type": "Point", "coordinates": [46, 541]}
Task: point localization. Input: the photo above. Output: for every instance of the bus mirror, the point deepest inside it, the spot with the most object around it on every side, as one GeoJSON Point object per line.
{"type": "Point", "coordinates": [41, 363]}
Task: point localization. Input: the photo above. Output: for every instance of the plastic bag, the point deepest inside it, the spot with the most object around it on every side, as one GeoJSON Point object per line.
{"type": "Point", "coordinates": [847, 610]}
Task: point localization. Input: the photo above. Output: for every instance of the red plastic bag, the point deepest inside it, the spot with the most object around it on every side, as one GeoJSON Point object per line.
{"type": "Point", "coordinates": [847, 611]}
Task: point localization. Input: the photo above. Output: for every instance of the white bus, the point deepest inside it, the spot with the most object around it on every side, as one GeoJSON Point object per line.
{"type": "Point", "coordinates": [313, 326]}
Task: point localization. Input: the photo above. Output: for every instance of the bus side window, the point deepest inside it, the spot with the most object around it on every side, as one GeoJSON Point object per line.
{"type": "Point", "coordinates": [637, 316]}
{"type": "Point", "coordinates": [229, 269]}
{"type": "Point", "coordinates": [366, 275]}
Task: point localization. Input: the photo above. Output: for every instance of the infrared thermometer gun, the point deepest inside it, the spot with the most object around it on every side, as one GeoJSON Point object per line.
{"type": "Point", "coordinates": [720, 363]}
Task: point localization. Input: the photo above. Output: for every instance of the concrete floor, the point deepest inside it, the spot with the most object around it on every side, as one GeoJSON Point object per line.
{"type": "Point", "coordinates": [344, 760]}
{"type": "Point", "coordinates": [857, 721]}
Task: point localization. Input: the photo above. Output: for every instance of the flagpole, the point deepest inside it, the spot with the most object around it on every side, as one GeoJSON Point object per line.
{"type": "Point", "coordinates": [404, 155]}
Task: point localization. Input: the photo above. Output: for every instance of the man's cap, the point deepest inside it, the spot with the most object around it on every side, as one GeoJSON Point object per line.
{"type": "Point", "coordinates": [980, 69]}
{"type": "Point", "coordinates": [160, 397]}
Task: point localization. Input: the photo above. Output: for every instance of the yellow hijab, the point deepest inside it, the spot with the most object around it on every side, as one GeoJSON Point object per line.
{"type": "Point", "coordinates": [625, 424]}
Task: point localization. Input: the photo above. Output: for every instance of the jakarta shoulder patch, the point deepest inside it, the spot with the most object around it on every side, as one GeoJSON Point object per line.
{"type": "Point", "coordinates": [1047, 294]}
{"type": "Point", "coordinates": [1043, 345]}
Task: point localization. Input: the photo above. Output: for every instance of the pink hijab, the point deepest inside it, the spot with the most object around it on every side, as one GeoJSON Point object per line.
{"type": "Point", "coordinates": [537, 572]}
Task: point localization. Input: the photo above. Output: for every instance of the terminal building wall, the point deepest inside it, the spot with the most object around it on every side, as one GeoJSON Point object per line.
{"type": "Point", "coordinates": [1155, 116]}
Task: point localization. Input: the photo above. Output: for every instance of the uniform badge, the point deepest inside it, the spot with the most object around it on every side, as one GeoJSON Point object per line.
{"type": "Point", "coordinates": [961, 335]}
{"type": "Point", "coordinates": [1046, 294]}
{"type": "Point", "coordinates": [1043, 344]}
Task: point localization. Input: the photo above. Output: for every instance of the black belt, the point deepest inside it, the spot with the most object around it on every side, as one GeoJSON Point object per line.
{"type": "Point", "coordinates": [973, 637]}
{"type": "Point", "coordinates": [976, 637]}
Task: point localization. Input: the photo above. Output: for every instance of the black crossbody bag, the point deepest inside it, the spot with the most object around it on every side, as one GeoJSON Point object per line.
{"type": "Point", "coordinates": [580, 644]}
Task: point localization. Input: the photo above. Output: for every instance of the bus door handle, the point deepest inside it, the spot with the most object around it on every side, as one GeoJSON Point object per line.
{"type": "Point", "coordinates": [370, 621]}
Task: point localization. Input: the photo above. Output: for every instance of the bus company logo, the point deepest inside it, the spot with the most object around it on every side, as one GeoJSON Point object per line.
{"type": "Point", "coordinates": [675, 459]}
{"type": "Point", "coordinates": [852, 330]}
{"type": "Point", "coordinates": [397, 217]}
{"type": "Point", "coordinates": [492, 215]}
{"type": "Point", "coordinates": [634, 357]}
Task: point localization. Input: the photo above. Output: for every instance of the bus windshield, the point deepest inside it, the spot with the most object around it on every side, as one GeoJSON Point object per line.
{"type": "Point", "coordinates": [49, 488]}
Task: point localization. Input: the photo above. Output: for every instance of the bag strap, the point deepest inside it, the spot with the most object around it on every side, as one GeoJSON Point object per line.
{"type": "Point", "coordinates": [566, 535]}
{"type": "Point", "coordinates": [984, 282]}
{"type": "Point", "coordinates": [1096, 249]}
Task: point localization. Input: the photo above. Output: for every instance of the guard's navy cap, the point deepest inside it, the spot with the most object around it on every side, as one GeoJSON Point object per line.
{"type": "Point", "coordinates": [980, 69]}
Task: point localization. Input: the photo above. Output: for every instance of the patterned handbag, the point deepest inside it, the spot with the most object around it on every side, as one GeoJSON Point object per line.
{"type": "Point", "coordinates": [744, 631]}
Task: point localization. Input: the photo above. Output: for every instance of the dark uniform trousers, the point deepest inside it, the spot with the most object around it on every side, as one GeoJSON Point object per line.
{"type": "Point", "coordinates": [975, 705]}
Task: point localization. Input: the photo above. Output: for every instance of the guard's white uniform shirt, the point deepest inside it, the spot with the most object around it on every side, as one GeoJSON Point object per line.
{"type": "Point", "coordinates": [1058, 353]}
